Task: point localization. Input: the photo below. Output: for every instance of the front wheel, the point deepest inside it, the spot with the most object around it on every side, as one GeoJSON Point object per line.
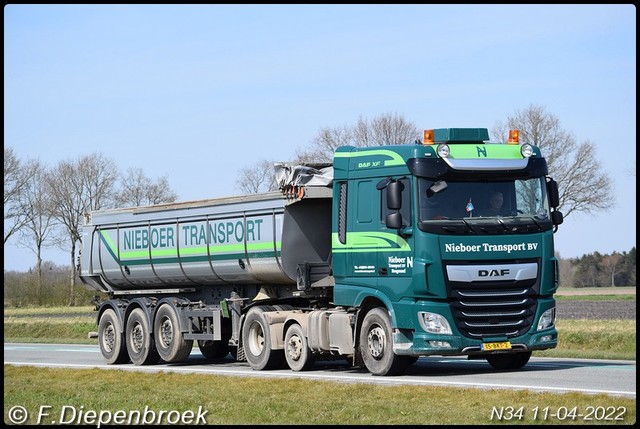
{"type": "Point", "coordinates": [509, 361]}
{"type": "Point", "coordinates": [376, 345]}
{"type": "Point", "coordinates": [256, 340]}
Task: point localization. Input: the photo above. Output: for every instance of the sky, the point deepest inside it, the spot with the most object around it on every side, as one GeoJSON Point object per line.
{"type": "Point", "coordinates": [198, 92]}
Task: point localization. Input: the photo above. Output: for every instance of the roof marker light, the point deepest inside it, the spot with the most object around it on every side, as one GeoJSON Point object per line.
{"type": "Point", "coordinates": [514, 135]}
{"type": "Point", "coordinates": [428, 137]}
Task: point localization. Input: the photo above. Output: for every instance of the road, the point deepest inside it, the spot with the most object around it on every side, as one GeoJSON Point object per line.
{"type": "Point", "coordinates": [555, 375]}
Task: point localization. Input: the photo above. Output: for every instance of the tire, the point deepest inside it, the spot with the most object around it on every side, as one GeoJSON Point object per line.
{"type": "Point", "coordinates": [212, 350]}
{"type": "Point", "coordinates": [169, 340]}
{"type": "Point", "coordinates": [256, 340]}
{"type": "Point", "coordinates": [509, 360]}
{"type": "Point", "coordinates": [406, 362]}
{"type": "Point", "coordinates": [111, 338]}
{"type": "Point", "coordinates": [296, 349]}
{"type": "Point", "coordinates": [140, 344]}
{"type": "Point", "coordinates": [376, 345]}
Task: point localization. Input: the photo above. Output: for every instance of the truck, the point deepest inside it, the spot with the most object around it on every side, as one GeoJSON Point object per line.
{"type": "Point", "coordinates": [379, 257]}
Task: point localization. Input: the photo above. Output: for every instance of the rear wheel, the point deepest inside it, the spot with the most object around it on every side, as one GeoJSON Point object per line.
{"type": "Point", "coordinates": [170, 342]}
{"type": "Point", "coordinates": [256, 340]}
{"type": "Point", "coordinates": [376, 345]}
{"type": "Point", "coordinates": [212, 350]}
{"type": "Point", "coordinates": [111, 338]}
{"type": "Point", "coordinates": [296, 349]}
{"type": "Point", "coordinates": [140, 344]}
{"type": "Point", "coordinates": [509, 361]}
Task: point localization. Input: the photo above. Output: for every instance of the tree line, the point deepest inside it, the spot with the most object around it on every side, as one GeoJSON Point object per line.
{"type": "Point", "coordinates": [597, 270]}
{"type": "Point", "coordinates": [46, 206]}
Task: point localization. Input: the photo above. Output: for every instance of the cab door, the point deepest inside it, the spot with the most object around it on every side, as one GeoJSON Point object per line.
{"type": "Point", "coordinates": [363, 233]}
{"type": "Point", "coordinates": [395, 254]}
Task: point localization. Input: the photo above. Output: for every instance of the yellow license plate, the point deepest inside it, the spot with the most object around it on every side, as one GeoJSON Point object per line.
{"type": "Point", "coordinates": [502, 345]}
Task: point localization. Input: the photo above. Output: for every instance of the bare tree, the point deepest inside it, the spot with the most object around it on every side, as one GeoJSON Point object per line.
{"type": "Point", "coordinates": [565, 271]}
{"type": "Point", "coordinates": [386, 129]}
{"type": "Point", "coordinates": [78, 187]}
{"type": "Point", "coordinates": [16, 180]}
{"type": "Point", "coordinates": [136, 189]}
{"type": "Point", "coordinates": [99, 175]}
{"type": "Point", "coordinates": [260, 178]}
{"type": "Point", "coordinates": [610, 264]}
{"type": "Point", "coordinates": [582, 184]}
{"type": "Point", "coordinates": [383, 130]}
{"type": "Point", "coordinates": [39, 230]}
{"type": "Point", "coordinates": [324, 145]}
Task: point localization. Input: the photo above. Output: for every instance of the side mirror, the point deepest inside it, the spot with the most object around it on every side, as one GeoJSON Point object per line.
{"type": "Point", "coordinates": [557, 217]}
{"type": "Point", "coordinates": [554, 195]}
{"type": "Point", "coordinates": [394, 220]}
{"type": "Point", "coordinates": [394, 195]}
{"type": "Point", "coordinates": [383, 183]}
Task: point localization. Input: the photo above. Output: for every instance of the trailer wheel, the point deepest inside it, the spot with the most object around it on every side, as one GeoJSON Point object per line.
{"type": "Point", "coordinates": [296, 349]}
{"type": "Point", "coordinates": [212, 350]}
{"type": "Point", "coordinates": [170, 342]}
{"type": "Point", "coordinates": [509, 361]}
{"type": "Point", "coordinates": [140, 344]}
{"type": "Point", "coordinates": [111, 338]}
{"type": "Point", "coordinates": [376, 345]}
{"type": "Point", "coordinates": [256, 340]}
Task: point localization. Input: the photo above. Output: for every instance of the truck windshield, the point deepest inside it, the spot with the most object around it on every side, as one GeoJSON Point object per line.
{"type": "Point", "coordinates": [518, 200]}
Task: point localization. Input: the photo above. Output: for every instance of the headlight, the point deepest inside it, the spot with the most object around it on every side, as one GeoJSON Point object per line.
{"type": "Point", "coordinates": [547, 320]}
{"type": "Point", "coordinates": [443, 150]}
{"type": "Point", "coordinates": [526, 150]}
{"type": "Point", "coordinates": [434, 323]}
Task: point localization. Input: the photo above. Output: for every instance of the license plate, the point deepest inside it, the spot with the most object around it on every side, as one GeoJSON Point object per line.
{"type": "Point", "coordinates": [502, 345]}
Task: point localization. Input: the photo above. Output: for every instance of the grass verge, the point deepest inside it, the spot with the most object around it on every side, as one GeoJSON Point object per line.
{"type": "Point", "coordinates": [84, 396]}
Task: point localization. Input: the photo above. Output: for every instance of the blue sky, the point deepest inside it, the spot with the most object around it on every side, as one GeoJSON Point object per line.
{"type": "Point", "coordinates": [198, 92]}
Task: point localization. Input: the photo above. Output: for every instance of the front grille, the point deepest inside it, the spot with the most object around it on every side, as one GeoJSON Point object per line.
{"type": "Point", "coordinates": [493, 308]}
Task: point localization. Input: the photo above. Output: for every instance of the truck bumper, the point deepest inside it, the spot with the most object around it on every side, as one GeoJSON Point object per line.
{"type": "Point", "coordinates": [411, 339]}
{"type": "Point", "coordinates": [423, 344]}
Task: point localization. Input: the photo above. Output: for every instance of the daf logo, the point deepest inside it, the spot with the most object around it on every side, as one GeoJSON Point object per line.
{"type": "Point", "coordinates": [493, 273]}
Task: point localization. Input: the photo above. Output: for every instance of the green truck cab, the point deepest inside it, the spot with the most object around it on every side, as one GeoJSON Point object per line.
{"type": "Point", "coordinates": [413, 234]}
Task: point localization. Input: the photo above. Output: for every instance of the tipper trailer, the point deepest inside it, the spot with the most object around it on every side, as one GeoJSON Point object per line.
{"type": "Point", "coordinates": [386, 254]}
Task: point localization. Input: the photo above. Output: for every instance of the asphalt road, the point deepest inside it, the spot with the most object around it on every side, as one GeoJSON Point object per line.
{"type": "Point", "coordinates": [557, 375]}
